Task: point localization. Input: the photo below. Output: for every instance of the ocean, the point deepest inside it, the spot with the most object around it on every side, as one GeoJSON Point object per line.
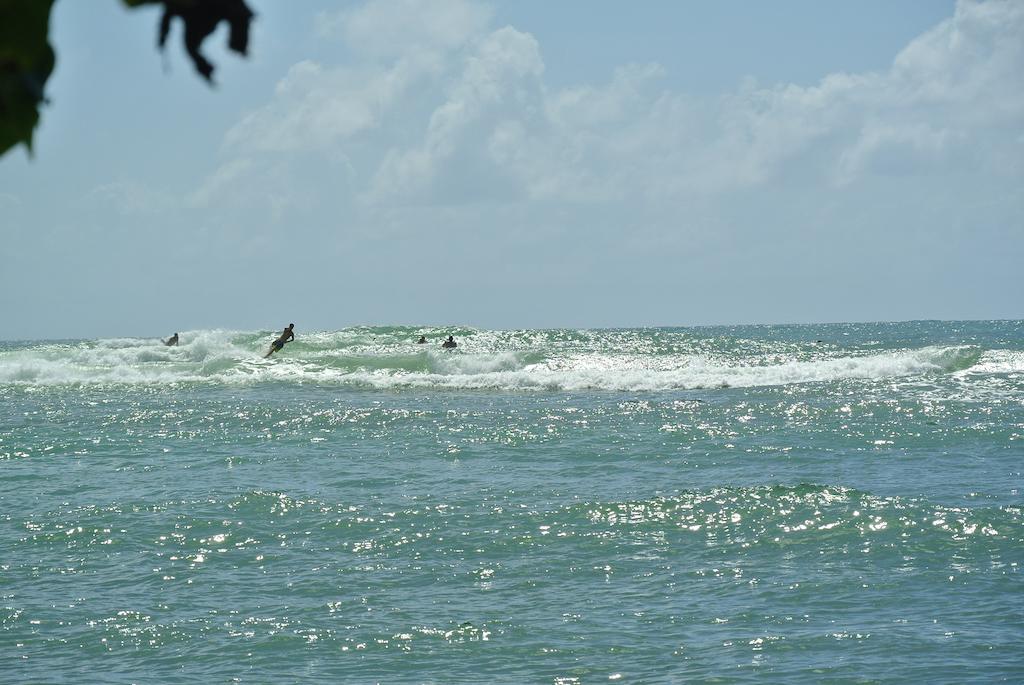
{"type": "Point", "coordinates": [794, 503]}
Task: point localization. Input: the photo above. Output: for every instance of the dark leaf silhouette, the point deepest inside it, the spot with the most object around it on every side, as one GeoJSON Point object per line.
{"type": "Point", "coordinates": [27, 59]}
{"type": "Point", "coordinates": [201, 18]}
{"type": "Point", "coordinates": [26, 62]}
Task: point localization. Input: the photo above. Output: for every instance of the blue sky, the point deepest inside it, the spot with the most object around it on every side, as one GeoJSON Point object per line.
{"type": "Point", "coordinates": [524, 164]}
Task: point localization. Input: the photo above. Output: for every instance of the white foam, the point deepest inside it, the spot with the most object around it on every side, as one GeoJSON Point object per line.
{"type": "Point", "coordinates": [120, 360]}
{"type": "Point", "coordinates": [484, 361]}
{"type": "Point", "coordinates": [634, 374]}
{"type": "Point", "coordinates": [475, 364]}
{"type": "Point", "coordinates": [998, 362]}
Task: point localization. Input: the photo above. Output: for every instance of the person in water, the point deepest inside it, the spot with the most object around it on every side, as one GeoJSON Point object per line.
{"type": "Point", "coordinates": [422, 340]}
{"type": "Point", "coordinates": [287, 335]}
{"type": "Point", "coordinates": [171, 341]}
{"type": "Point", "coordinates": [449, 343]}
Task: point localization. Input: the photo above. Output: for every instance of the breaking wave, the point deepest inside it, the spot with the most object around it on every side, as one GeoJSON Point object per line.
{"type": "Point", "coordinates": [388, 358]}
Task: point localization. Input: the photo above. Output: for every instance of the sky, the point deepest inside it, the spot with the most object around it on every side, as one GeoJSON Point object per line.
{"type": "Point", "coordinates": [521, 163]}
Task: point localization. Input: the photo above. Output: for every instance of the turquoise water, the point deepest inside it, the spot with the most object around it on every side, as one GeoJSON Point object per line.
{"type": "Point", "coordinates": [735, 504]}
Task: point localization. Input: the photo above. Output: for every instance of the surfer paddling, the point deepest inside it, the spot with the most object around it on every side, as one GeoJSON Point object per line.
{"type": "Point", "coordinates": [171, 341]}
{"type": "Point", "coordinates": [450, 343]}
{"type": "Point", "coordinates": [287, 335]}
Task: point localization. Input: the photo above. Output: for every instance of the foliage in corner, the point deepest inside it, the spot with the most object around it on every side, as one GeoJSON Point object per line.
{"type": "Point", "coordinates": [27, 59]}
{"type": "Point", "coordinates": [26, 62]}
{"type": "Point", "coordinates": [201, 18]}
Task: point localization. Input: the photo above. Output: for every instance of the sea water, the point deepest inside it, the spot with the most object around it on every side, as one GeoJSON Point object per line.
{"type": "Point", "coordinates": [827, 503]}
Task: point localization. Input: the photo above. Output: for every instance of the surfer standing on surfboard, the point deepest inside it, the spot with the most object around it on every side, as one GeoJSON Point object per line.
{"type": "Point", "coordinates": [287, 335]}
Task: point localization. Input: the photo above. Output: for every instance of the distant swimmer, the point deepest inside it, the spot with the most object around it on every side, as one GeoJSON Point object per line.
{"type": "Point", "coordinates": [287, 335]}
{"type": "Point", "coordinates": [422, 340]}
{"type": "Point", "coordinates": [450, 343]}
{"type": "Point", "coordinates": [171, 341]}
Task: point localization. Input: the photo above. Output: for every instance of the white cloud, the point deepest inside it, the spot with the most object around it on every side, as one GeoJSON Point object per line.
{"type": "Point", "coordinates": [394, 28]}
{"type": "Point", "coordinates": [315, 107]}
{"type": "Point", "coordinates": [958, 84]}
{"type": "Point", "coordinates": [888, 148]}
{"type": "Point", "coordinates": [966, 57]}
{"type": "Point", "coordinates": [501, 74]}
{"type": "Point", "coordinates": [130, 197]}
{"type": "Point", "coordinates": [255, 189]}
{"type": "Point", "coordinates": [221, 181]}
{"type": "Point", "coordinates": [450, 111]}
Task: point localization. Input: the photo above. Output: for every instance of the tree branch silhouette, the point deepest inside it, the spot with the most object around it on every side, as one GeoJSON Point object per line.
{"type": "Point", "coordinates": [27, 58]}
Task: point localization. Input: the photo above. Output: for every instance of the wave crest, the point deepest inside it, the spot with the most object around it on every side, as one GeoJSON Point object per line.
{"type": "Point", "coordinates": [486, 360]}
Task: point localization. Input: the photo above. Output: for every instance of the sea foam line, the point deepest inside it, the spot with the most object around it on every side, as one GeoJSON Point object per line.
{"type": "Point", "coordinates": [216, 358]}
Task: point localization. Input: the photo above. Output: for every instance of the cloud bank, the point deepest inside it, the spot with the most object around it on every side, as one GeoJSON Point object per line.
{"type": "Point", "coordinates": [441, 108]}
